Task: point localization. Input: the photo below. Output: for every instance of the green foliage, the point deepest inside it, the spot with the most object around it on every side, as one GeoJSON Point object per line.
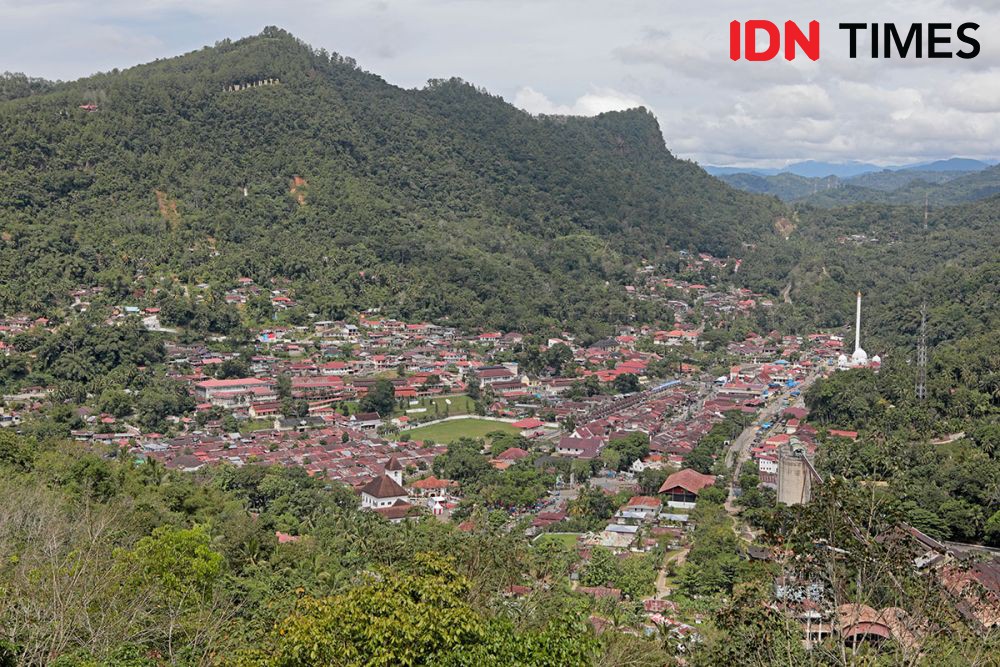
{"type": "Point", "coordinates": [627, 383]}
{"type": "Point", "coordinates": [381, 398]}
{"type": "Point", "coordinates": [418, 618]}
{"type": "Point", "coordinates": [629, 449]}
{"type": "Point", "coordinates": [179, 560]}
{"type": "Point", "coordinates": [592, 507]}
{"type": "Point", "coordinates": [634, 575]}
{"type": "Point", "coordinates": [715, 562]}
{"type": "Point", "coordinates": [445, 201]}
{"type": "Point", "coordinates": [752, 632]}
{"type": "Point", "coordinates": [651, 479]}
{"type": "Point", "coordinates": [703, 455]}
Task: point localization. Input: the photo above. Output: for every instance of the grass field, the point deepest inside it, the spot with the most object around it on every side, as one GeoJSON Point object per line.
{"type": "Point", "coordinates": [566, 539]}
{"type": "Point", "coordinates": [459, 428]}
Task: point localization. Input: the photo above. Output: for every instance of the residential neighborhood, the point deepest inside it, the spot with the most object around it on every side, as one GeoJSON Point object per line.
{"type": "Point", "coordinates": [374, 404]}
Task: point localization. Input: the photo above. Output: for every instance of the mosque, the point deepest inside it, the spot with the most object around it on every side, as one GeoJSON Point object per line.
{"type": "Point", "coordinates": [859, 359]}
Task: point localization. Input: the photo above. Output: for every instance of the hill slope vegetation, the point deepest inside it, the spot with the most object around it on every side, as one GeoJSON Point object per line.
{"type": "Point", "coordinates": [444, 202]}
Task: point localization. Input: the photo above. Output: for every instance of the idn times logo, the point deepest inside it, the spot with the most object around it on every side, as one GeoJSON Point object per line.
{"type": "Point", "coordinates": [760, 40]}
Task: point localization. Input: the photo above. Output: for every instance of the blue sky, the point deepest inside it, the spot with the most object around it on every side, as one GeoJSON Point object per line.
{"type": "Point", "coordinates": [588, 56]}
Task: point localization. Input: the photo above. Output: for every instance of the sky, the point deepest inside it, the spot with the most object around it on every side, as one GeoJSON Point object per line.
{"type": "Point", "coordinates": [589, 56]}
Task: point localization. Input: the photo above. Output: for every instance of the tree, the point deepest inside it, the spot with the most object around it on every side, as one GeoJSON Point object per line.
{"type": "Point", "coordinates": [631, 448]}
{"type": "Point", "coordinates": [391, 619]}
{"type": "Point", "coordinates": [381, 398]}
{"type": "Point", "coordinates": [556, 357]}
{"type": "Point", "coordinates": [180, 571]}
{"type": "Point", "coordinates": [651, 479]}
{"type": "Point", "coordinates": [115, 402]}
{"type": "Point", "coordinates": [284, 386]}
{"type": "Point", "coordinates": [233, 368]}
{"type": "Point", "coordinates": [627, 383]}
{"type": "Point", "coordinates": [754, 633]}
{"type": "Point", "coordinates": [601, 569]}
{"type": "Point", "coordinates": [992, 529]}
{"type": "Point", "coordinates": [463, 462]}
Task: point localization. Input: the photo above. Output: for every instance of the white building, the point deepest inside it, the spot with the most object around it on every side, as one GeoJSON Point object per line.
{"type": "Point", "coordinates": [386, 489]}
{"type": "Point", "coordinates": [859, 358]}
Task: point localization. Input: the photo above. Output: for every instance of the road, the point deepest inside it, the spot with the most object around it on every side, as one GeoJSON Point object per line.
{"type": "Point", "coordinates": [739, 450]}
{"type": "Point", "coordinates": [677, 557]}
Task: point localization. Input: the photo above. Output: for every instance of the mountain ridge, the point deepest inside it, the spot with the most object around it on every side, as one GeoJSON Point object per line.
{"type": "Point", "coordinates": [442, 202]}
{"type": "Point", "coordinates": [853, 169]}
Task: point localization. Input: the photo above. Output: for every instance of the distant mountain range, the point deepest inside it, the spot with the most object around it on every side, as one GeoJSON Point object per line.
{"type": "Point", "coordinates": [942, 182]}
{"type": "Point", "coordinates": [814, 169]}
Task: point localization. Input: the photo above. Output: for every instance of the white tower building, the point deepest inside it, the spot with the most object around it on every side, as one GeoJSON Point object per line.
{"type": "Point", "coordinates": [860, 357]}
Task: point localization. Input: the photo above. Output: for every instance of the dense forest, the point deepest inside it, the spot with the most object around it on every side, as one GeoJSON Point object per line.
{"type": "Point", "coordinates": [444, 202]}
{"type": "Point", "coordinates": [886, 253]}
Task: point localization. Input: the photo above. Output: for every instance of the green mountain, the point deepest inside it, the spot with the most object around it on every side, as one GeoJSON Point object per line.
{"type": "Point", "coordinates": [904, 186]}
{"type": "Point", "coordinates": [266, 158]}
{"type": "Point", "coordinates": [940, 189]}
{"type": "Point", "coordinates": [786, 187]}
{"type": "Point", "coordinates": [885, 252]}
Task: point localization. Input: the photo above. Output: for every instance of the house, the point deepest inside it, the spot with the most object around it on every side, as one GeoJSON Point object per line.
{"type": "Point", "coordinates": [682, 487]}
{"type": "Point", "coordinates": [509, 457]}
{"type": "Point", "coordinates": [859, 622]}
{"type": "Point", "coordinates": [234, 391]}
{"type": "Point", "coordinates": [976, 588]}
{"type": "Point", "coordinates": [599, 592]}
{"type": "Point", "coordinates": [396, 512]}
{"type": "Point", "coordinates": [644, 504]}
{"type": "Point", "coordinates": [368, 421]}
{"type": "Point", "coordinates": [386, 489]}
{"type": "Point", "coordinates": [581, 448]}
{"type": "Point", "coordinates": [488, 375]}
{"type": "Point", "coordinates": [432, 486]}
{"type": "Point", "coordinates": [530, 427]}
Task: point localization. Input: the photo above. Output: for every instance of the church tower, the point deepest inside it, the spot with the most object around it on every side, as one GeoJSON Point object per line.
{"type": "Point", "coordinates": [394, 470]}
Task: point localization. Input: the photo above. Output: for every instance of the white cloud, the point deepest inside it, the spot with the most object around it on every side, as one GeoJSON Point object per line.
{"type": "Point", "coordinates": [589, 104]}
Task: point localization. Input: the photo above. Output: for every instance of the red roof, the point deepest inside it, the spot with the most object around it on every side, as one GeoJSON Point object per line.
{"type": "Point", "coordinates": [234, 382]}
{"type": "Point", "coordinates": [398, 510]}
{"type": "Point", "coordinates": [513, 454]}
{"type": "Point", "coordinates": [432, 482]}
{"type": "Point", "coordinates": [643, 501]}
{"type": "Point", "coordinates": [689, 480]}
{"type": "Point", "coordinates": [530, 422]}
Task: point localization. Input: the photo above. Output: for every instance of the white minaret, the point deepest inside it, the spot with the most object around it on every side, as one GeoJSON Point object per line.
{"type": "Point", "coordinates": [860, 357]}
{"type": "Point", "coordinates": [857, 326]}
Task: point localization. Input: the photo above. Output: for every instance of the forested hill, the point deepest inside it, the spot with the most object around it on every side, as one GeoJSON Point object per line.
{"type": "Point", "coordinates": [440, 202]}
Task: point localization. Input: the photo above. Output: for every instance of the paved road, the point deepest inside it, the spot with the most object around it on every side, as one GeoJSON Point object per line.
{"type": "Point", "coordinates": [739, 450]}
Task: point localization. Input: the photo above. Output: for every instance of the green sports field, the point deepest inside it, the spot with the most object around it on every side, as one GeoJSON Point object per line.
{"type": "Point", "coordinates": [459, 428]}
